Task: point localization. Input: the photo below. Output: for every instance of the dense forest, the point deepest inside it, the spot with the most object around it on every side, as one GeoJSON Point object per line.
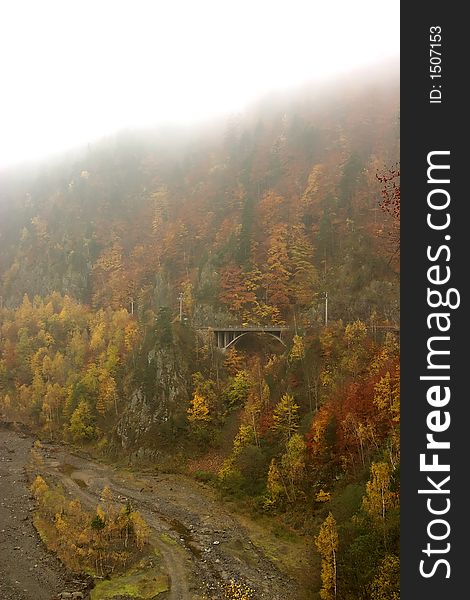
{"type": "Point", "coordinates": [117, 260]}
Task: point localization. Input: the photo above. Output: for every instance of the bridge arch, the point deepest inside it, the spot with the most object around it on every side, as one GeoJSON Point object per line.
{"type": "Point", "coordinates": [228, 336]}
{"type": "Point", "coordinates": [232, 342]}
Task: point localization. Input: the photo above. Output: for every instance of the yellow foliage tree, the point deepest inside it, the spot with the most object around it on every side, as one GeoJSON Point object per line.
{"type": "Point", "coordinates": [285, 417]}
{"type": "Point", "coordinates": [141, 529]}
{"type": "Point", "coordinates": [98, 341]}
{"type": "Point", "coordinates": [293, 462]}
{"type": "Point", "coordinates": [327, 542]}
{"type": "Point", "coordinates": [233, 361]}
{"type": "Point", "coordinates": [188, 298]}
{"type": "Point", "coordinates": [298, 348]}
{"type": "Point", "coordinates": [274, 482]}
{"type": "Point", "coordinates": [244, 437]}
{"type": "Point", "coordinates": [379, 498]}
{"type": "Point", "coordinates": [107, 394]}
{"type": "Point", "coordinates": [198, 412]}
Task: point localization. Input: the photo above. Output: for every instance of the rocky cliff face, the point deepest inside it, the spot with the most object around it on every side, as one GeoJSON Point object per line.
{"type": "Point", "coordinates": [156, 410]}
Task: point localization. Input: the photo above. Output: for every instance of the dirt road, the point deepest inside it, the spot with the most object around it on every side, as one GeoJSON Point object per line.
{"type": "Point", "coordinates": [201, 544]}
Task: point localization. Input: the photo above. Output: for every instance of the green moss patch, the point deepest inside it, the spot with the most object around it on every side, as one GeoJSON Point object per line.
{"type": "Point", "coordinates": [141, 585]}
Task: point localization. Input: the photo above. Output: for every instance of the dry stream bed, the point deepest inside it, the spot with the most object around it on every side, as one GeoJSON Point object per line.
{"type": "Point", "coordinates": [199, 545]}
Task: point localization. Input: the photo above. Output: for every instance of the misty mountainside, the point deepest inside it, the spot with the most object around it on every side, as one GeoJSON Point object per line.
{"type": "Point", "coordinates": [142, 217]}
{"type": "Point", "coordinates": [118, 259]}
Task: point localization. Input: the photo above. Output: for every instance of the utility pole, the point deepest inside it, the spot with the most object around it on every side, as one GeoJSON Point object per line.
{"type": "Point", "coordinates": [131, 300]}
{"type": "Point", "coordinates": [180, 298]}
{"type": "Point", "coordinates": [326, 309]}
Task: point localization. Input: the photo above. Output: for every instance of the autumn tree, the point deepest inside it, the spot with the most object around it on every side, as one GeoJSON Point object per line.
{"type": "Point", "coordinates": [327, 543]}
{"type": "Point", "coordinates": [379, 499]}
{"type": "Point", "coordinates": [52, 406]}
{"type": "Point", "coordinates": [244, 437]}
{"type": "Point", "coordinates": [198, 411]}
{"type": "Point", "coordinates": [233, 361]}
{"type": "Point", "coordinates": [293, 463]}
{"type": "Point", "coordinates": [188, 298]}
{"type": "Point", "coordinates": [297, 351]}
{"type": "Point", "coordinates": [277, 274]}
{"type": "Point", "coordinates": [109, 274]}
{"type": "Point", "coordinates": [253, 410]}
{"type": "Point", "coordinates": [82, 423]}
{"type": "Point", "coordinates": [238, 290]}
{"type": "Point", "coordinates": [387, 395]}
{"type": "Point", "coordinates": [238, 388]}
{"type": "Point", "coordinates": [304, 274]}
{"type": "Point", "coordinates": [355, 353]}
{"type": "Point", "coordinates": [285, 417]}
{"type": "Point", "coordinates": [140, 529]}
{"type": "Point", "coordinates": [275, 485]}
{"type": "Point", "coordinates": [107, 394]}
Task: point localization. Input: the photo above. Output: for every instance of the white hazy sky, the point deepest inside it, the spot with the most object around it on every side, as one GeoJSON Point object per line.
{"type": "Point", "coordinates": [74, 70]}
